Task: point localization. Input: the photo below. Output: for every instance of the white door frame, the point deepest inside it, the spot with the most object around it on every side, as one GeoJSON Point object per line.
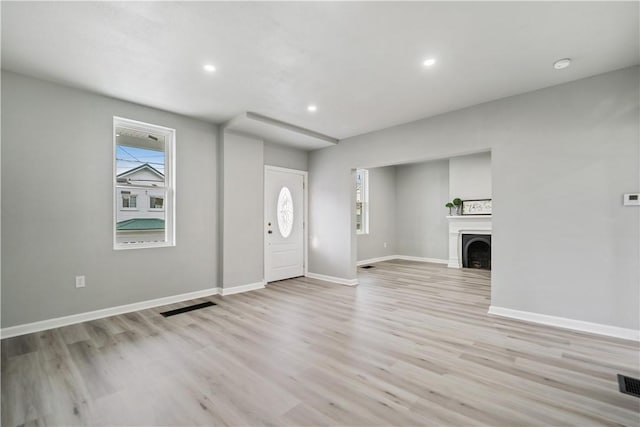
{"type": "Point", "coordinates": [305, 217]}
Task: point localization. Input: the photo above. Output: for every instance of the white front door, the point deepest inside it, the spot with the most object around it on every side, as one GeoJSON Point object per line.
{"type": "Point", "coordinates": [283, 220]}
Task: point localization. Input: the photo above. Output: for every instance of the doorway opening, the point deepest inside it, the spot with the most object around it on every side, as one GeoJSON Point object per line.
{"type": "Point", "coordinates": [409, 209]}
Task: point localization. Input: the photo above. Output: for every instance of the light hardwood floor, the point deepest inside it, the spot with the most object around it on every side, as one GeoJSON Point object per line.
{"type": "Point", "coordinates": [411, 345]}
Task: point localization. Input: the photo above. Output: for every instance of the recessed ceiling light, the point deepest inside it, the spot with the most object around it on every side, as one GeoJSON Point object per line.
{"type": "Point", "coordinates": [312, 108]}
{"type": "Point", "coordinates": [429, 62]}
{"type": "Point", "coordinates": [210, 68]}
{"type": "Point", "coordinates": [562, 63]}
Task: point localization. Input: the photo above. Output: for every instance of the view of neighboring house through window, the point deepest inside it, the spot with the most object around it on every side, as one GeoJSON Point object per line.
{"type": "Point", "coordinates": [362, 201]}
{"type": "Point", "coordinates": [143, 185]}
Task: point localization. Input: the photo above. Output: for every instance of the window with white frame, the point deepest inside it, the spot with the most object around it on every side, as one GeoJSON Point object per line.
{"type": "Point", "coordinates": [144, 188]}
{"type": "Point", "coordinates": [156, 202]}
{"type": "Point", "coordinates": [129, 201]}
{"type": "Point", "coordinates": [362, 201]}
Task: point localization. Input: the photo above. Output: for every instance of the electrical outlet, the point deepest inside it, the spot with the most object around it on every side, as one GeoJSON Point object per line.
{"type": "Point", "coordinates": [385, 244]}
{"type": "Point", "coordinates": [80, 283]}
{"type": "Point", "coordinates": [632, 199]}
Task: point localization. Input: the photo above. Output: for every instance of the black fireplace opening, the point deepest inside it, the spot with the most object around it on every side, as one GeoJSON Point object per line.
{"type": "Point", "coordinates": [476, 251]}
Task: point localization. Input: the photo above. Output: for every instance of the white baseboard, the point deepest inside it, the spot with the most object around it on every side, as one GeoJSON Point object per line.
{"type": "Point", "coordinates": [379, 259]}
{"type": "Point", "coordinates": [563, 322]}
{"type": "Point", "coordinates": [422, 259]}
{"type": "Point", "coordinates": [242, 288]}
{"type": "Point", "coordinates": [57, 322]}
{"type": "Point", "coordinates": [402, 257]}
{"type": "Point", "coordinates": [339, 280]}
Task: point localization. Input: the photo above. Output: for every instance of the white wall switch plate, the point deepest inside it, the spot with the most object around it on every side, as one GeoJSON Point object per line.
{"type": "Point", "coordinates": [632, 199]}
{"type": "Point", "coordinates": [80, 283]}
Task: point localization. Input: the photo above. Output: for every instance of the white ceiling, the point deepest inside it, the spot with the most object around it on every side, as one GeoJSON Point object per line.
{"type": "Point", "coordinates": [360, 63]}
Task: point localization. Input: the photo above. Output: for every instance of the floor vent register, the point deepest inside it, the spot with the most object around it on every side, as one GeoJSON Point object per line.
{"type": "Point", "coordinates": [187, 308]}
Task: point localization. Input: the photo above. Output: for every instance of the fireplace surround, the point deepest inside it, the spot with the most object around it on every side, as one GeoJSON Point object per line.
{"type": "Point", "coordinates": [460, 225]}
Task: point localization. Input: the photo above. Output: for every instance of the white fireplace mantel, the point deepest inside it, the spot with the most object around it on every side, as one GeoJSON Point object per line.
{"type": "Point", "coordinates": [464, 224]}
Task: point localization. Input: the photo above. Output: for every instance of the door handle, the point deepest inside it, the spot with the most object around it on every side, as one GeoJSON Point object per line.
{"type": "Point", "coordinates": [269, 231]}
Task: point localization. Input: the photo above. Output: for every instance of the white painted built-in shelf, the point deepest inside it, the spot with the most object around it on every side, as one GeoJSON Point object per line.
{"type": "Point", "coordinates": [468, 216]}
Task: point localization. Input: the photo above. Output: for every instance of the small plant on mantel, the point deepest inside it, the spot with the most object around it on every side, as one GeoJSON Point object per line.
{"type": "Point", "coordinates": [457, 203]}
{"type": "Point", "coordinates": [449, 205]}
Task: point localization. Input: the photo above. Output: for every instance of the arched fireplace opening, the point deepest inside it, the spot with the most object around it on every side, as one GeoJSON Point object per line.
{"type": "Point", "coordinates": [476, 251]}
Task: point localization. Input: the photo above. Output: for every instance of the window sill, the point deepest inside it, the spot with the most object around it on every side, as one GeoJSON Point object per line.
{"type": "Point", "coordinates": [125, 247]}
{"type": "Point", "coordinates": [156, 209]}
{"type": "Point", "coordinates": [129, 209]}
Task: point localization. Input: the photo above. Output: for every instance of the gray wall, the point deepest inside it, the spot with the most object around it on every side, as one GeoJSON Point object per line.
{"type": "Point", "coordinates": [422, 190]}
{"type": "Point", "coordinates": [382, 215]}
{"type": "Point", "coordinates": [470, 177]}
{"type": "Point", "coordinates": [285, 157]}
{"type": "Point", "coordinates": [243, 207]}
{"type": "Point", "coordinates": [57, 208]}
{"type": "Point", "coordinates": [562, 157]}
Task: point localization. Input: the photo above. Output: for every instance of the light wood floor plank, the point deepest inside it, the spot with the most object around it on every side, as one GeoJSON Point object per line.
{"type": "Point", "coordinates": [411, 345]}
